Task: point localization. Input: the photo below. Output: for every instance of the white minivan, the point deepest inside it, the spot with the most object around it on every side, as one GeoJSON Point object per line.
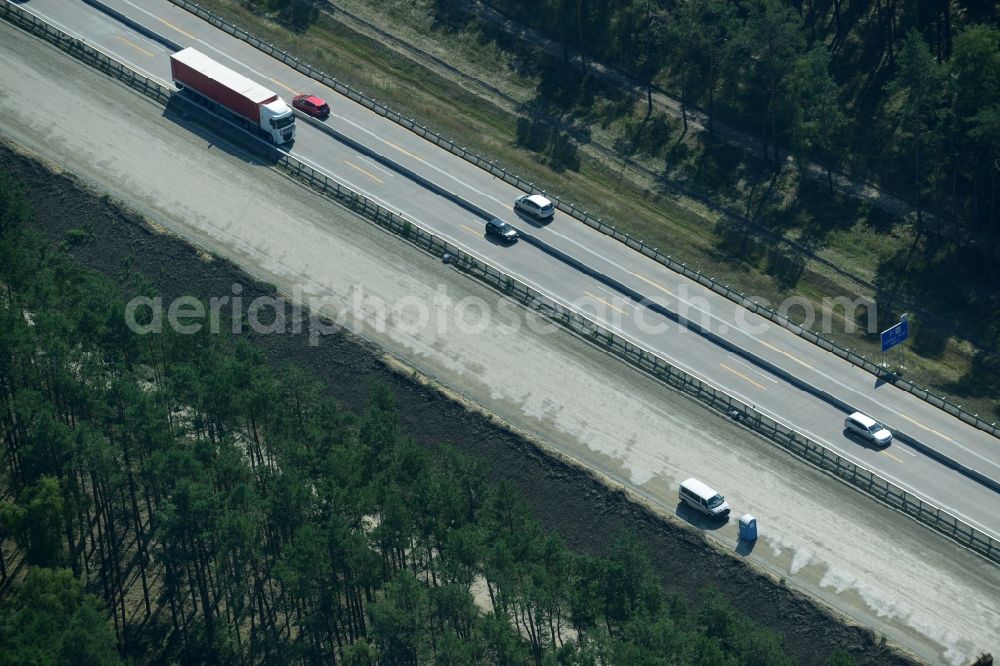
{"type": "Point", "coordinates": [699, 496]}
{"type": "Point", "coordinates": [867, 427]}
{"type": "Point", "coordinates": [536, 206]}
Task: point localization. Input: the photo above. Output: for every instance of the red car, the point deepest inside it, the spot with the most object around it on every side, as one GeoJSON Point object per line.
{"type": "Point", "coordinates": [312, 105]}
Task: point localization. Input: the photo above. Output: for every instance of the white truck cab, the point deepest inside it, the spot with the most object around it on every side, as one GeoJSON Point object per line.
{"type": "Point", "coordinates": [279, 120]}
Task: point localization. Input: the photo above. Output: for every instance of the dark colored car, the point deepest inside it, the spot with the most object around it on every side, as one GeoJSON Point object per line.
{"type": "Point", "coordinates": [312, 105]}
{"type": "Point", "coordinates": [536, 206]}
{"type": "Point", "coordinates": [502, 230]}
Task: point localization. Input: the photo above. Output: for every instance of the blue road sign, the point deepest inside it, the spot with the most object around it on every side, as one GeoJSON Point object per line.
{"type": "Point", "coordinates": [893, 336]}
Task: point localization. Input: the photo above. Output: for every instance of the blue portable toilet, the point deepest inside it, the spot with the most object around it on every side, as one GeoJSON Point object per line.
{"type": "Point", "coordinates": [748, 528]}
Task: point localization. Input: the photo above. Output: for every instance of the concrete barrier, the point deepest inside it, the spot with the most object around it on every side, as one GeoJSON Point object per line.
{"type": "Point", "coordinates": [392, 164]}
{"type": "Point", "coordinates": [642, 359]}
{"type": "Point", "coordinates": [135, 25]}
{"type": "Point", "coordinates": [494, 169]}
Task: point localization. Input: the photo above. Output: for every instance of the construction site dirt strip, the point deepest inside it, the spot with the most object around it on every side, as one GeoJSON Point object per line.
{"type": "Point", "coordinates": [567, 501]}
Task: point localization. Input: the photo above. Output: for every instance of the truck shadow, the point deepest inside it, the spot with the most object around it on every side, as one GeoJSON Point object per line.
{"type": "Point", "coordinates": [700, 520]}
{"type": "Point", "coordinates": [222, 134]}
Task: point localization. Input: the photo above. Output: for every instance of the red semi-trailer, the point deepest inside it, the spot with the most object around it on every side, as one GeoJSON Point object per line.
{"type": "Point", "coordinates": [256, 105]}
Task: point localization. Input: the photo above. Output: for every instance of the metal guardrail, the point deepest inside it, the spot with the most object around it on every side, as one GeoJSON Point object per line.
{"type": "Point", "coordinates": [494, 169]}
{"type": "Point", "coordinates": [134, 25]}
{"type": "Point", "coordinates": [84, 52]}
{"type": "Point", "coordinates": [643, 359]}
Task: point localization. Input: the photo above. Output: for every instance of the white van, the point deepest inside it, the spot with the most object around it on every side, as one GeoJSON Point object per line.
{"type": "Point", "coordinates": [867, 427]}
{"type": "Point", "coordinates": [699, 496]}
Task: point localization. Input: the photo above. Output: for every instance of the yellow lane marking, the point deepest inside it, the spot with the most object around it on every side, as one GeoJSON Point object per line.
{"type": "Point", "coordinates": [405, 152]}
{"type": "Point", "coordinates": [753, 369]}
{"type": "Point", "coordinates": [171, 25]}
{"type": "Point", "coordinates": [918, 423]}
{"type": "Point", "coordinates": [469, 229]}
{"type": "Point", "coordinates": [609, 304]}
{"type": "Point", "coordinates": [370, 175]}
{"type": "Point", "coordinates": [740, 374]}
{"type": "Point", "coordinates": [893, 457]}
{"type": "Point", "coordinates": [781, 351]}
{"type": "Point", "coordinates": [667, 291]}
{"type": "Point", "coordinates": [291, 90]}
{"type": "Point", "coordinates": [650, 282]}
{"type": "Point", "coordinates": [137, 47]}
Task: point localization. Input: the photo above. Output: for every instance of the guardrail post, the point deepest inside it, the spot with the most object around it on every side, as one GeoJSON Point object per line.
{"type": "Point", "coordinates": [637, 356]}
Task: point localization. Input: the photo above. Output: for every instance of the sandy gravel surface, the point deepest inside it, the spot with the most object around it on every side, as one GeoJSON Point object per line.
{"type": "Point", "coordinates": [876, 567]}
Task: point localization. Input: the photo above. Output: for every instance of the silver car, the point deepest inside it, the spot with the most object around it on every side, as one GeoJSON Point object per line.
{"type": "Point", "coordinates": [536, 206]}
{"type": "Point", "coordinates": [867, 427]}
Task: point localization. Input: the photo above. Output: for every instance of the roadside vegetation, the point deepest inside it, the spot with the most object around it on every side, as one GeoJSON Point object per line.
{"type": "Point", "coordinates": [171, 498]}
{"type": "Point", "coordinates": [888, 92]}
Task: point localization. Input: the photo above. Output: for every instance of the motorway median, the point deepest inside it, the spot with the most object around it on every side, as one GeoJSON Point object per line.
{"type": "Point", "coordinates": [590, 330]}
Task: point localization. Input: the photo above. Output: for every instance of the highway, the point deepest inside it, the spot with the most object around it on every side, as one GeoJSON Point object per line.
{"type": "Point", "coordinates": [738, 376]}
{"type": "Point", "coordinates": [876, 566]}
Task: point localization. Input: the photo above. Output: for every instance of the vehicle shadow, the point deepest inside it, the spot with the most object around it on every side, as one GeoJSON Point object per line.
{"type": "Point", "coordinates": [490, 238]}
{"type": "Point", "coordinates": [744, 547]}
{"type": "Point", "coordinates": [532, 220]}
{"type": "Point", "coordinates": [220, 133]}
{"type": "Point", "coordinates": [861, 441]}
{"type": "Point", "coordinates": [698, 519]}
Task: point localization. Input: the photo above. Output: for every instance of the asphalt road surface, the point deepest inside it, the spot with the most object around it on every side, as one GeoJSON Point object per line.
{"type": "Point", "coordinates": [871, 563]}
{"type": "Point", "coordinates": [769, 393]}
